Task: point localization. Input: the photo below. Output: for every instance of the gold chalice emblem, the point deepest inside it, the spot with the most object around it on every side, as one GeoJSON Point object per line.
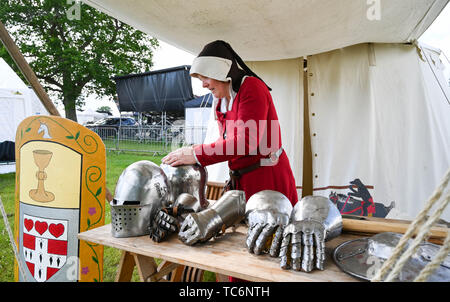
{"type": "Point", "coordinates": [41, 159]}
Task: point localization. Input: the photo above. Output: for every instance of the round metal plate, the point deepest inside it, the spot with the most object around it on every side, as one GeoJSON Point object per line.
{"type": "Point", "coordinates": [351, 257]}
{"type": "Point", "coordinates": [354, 258]}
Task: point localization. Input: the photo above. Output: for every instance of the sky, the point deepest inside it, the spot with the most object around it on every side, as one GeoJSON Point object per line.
{"type": "Point", "coordinates": [438, 36]}
{"type": "Point", "coordinates": [166, 56]}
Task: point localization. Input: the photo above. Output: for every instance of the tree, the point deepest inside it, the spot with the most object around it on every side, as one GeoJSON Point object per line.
{"type": "Point", "coordinates": [73, 58]}
{"type": "Point", "coordinates": [104, 109]}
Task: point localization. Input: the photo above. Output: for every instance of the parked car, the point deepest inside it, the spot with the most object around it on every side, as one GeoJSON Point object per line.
{"type": "Point", "coordinates": [110, 126]}
{"type": "Point", "coordinates": [116, 122]}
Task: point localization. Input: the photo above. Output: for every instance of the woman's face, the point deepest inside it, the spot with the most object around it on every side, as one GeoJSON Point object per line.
{"type": "Point", "coordinates": [218, 88]}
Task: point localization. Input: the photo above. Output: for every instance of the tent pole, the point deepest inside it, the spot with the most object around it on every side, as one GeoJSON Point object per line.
{"type": "Point", "coordinates": [307, 183]}
{"type": "Point", "coordinates": [26, 70]}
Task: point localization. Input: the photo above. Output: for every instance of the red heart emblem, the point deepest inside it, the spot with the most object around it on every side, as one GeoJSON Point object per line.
{"type": "Point", "coordinates": [56, 229]}
{"type": "Point", "coordinates": [41, 227]}
{"type": "Point", "coordinates": [28, 224]}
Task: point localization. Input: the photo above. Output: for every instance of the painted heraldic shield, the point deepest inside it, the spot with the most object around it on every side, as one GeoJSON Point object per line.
{"type": "Point", "coordinates": [60, 192]}
{"type": "Point", "coordinates": [44, 246]}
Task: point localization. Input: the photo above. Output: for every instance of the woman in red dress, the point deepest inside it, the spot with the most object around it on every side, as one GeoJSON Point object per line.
{"type": "Point", "coordinates": [250, 135]}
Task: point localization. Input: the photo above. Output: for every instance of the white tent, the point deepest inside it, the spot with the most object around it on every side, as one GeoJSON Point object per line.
{"type": "Point", "coordinates": [196, 124]}
{"type": "Point", "coordinates": [371, 101]}
{"type": "Point", "coordinates": [17, 101]}
{"type": "Point", "coordinates": [197, 120]}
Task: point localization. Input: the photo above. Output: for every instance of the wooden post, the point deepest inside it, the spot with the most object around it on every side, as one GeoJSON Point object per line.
{"type": "Point", "coordinates": [307, 182]}
{"type": "Point", "coordinates": [26, 70]}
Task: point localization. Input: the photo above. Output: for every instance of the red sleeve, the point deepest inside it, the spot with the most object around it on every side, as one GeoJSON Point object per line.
{"type": "Point", "coordinates": [245, 132]}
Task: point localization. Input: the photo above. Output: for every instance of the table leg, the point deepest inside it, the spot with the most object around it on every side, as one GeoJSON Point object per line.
{"type": "Point", "coordinates": [164, 269]}
{"type": "Point", "coordinates": [146, 267]}
{"type": "Point", "coordinates": [126, 267]}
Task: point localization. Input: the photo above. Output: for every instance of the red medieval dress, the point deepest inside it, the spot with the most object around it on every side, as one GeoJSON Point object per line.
{"type": "Point", "coordinates": [242, 146]}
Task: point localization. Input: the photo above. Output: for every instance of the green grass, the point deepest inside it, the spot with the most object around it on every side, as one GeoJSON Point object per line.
{"type": "Point", "coordinates": [146, 146]}
{"type": "Point", "coordinates": [115, 163]}
{"type": "Point", "coordinates": [7, 185]}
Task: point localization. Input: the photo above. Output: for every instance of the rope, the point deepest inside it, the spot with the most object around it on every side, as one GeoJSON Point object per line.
{"type": "Point", "coordinates": [435, 76]}
{"type": "Point", "coordinates": [11, 239]}
{"type": "Point", "coordinates": [412, 229]}
{"type": "Point", "coordinates": [433, 265]}
{"type": "Point", "coordinates": [423, 234]}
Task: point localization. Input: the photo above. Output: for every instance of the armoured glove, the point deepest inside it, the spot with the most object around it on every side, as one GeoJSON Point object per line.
{"type": "Point", "coordinates": [167, 220]}
{"type": "Point", "coordinates": [225, 212]}
{"type": "Point", "coordinates": [267, 214]}
{"type": "Point", "coordinates": [314, 220]}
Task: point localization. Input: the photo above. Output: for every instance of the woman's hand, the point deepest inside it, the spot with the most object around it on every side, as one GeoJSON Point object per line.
{"type": "Point", "coordinates": [182, 156]}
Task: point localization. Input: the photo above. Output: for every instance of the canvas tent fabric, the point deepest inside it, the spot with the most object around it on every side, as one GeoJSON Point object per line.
{"type": "Point", "coordinates": [196, 121]}
{"type": "Point", "coordinates": [377, 112]}
{"type": "Point", "coordinates": [17, 101]}
{"type": "Point", "coordinates": [378, 115]}
{"type": "Point", "coordinates": [272, 30]}
{"type": "Point", "coordinates": [196, 116]}
{"type": "Point", "coordinates": [160, 90]}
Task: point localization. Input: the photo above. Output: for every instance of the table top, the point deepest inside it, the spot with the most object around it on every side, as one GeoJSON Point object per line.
{"type": "Point", "coordinates": [225, 255]}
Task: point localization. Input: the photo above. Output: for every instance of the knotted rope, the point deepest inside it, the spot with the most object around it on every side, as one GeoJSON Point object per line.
{"type": "Point", "coordinates": [424, 226]}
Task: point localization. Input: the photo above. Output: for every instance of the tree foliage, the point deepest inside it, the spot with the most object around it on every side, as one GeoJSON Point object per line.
{"type": "Point", "coordinates": [74, 58]}
{"type": "Point", "coordinates": [104, 109]}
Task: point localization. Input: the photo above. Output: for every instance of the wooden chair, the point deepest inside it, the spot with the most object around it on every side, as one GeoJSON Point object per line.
{"type": "Point", "coordinates": [214, 190]}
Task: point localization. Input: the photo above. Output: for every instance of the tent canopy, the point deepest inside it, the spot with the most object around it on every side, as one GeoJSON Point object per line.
{"type": "Point", "coordinates": [160, 90]}
{"type": "Point", "coordinates": [271, 30]}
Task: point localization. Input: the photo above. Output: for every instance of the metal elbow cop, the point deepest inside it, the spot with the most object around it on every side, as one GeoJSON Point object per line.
{"type": "Point", "coordinates": [191, 179]}
{"type": "Point", "coordinates": [142, 189]}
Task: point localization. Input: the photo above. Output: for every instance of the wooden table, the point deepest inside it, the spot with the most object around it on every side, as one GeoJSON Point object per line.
{"type": "Point", "coordinates": [226, 255]}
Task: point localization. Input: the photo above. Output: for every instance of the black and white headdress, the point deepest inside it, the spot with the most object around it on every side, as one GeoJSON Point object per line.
{"type": "Point", "coordinates": [219, 61]}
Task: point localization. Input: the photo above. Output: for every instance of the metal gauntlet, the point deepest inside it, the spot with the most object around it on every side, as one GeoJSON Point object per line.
{"type": "Point", "coordinates": [267, 214]}
{"type": "Point", "coordinates": [314, 220]}
{"type": "Point", "coordinates": [187, 189]}
{"type": "Point", "coordinates": [202, 226]}
{"type": "Point", "coordinates": [168, 220]}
